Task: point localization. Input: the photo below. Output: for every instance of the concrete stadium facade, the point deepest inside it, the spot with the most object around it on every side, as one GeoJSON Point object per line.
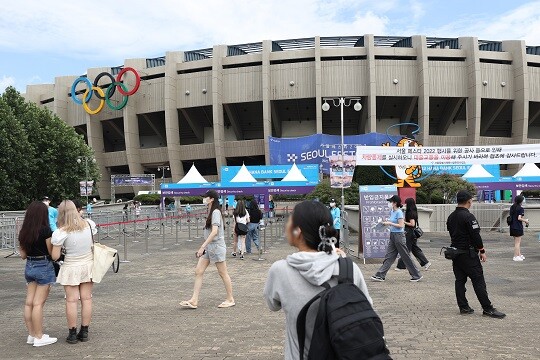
{"type": "Point", "coordinates": [218, 106]}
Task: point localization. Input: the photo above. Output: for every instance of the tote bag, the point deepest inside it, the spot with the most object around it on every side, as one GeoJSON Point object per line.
{"type": "Point", "coordinates": [104, 256]}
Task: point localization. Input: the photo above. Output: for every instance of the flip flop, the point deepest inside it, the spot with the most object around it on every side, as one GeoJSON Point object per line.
{"type": "Point", "coordinates": [188, 305]}
{"type": "Point", "coordinates": [226, 304]}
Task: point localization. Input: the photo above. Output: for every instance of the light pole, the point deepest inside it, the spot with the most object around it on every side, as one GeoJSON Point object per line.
{"type": "Point", "coordinates": [341, 102]}
{"type": "Point", "coordinates": [162, 169]}
{"type": "Point", "coordinates": [86, 159]}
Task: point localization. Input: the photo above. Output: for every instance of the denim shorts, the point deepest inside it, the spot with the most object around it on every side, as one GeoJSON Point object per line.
{"type": "Point", "coordinates": [40, 271]}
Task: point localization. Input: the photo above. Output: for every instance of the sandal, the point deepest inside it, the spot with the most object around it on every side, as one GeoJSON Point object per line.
{"type": "Point", "coordinates": [226, 304]}
{"type": "Point", "coordinates": [233, 254]}
{"type": "Point", "coordinates": [188, 304]}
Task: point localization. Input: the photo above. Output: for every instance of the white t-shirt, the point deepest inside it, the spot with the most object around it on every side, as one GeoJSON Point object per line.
{"type": "Point", "coordinates": [243, 220]}
{"type": "Point", "coordinates": [77, 243]}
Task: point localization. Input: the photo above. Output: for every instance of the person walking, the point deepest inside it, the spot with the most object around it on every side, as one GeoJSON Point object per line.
{"type": "Point", "coordinates": [212, 249]}
{"type": "Point", "coordinates": [255, 216]}
{"type": "Point", "coordinates": [241, 216]}
{"type": "Point", "coordinates": [465, 237]}
{"type": "Point", "coordinates": [336, 217]}
{"type": "Point", "coordinates": [397, 244]}
{"type": "Point", "coordinates": [53, 213]}
{"type": "Point", "coordinates": [35, 247]}
{"type": "Point", "coordinates": [516, 227]}
{"type": "Point", "coordinates": [75, 235]}
{"type": "Point", "coordinates": [411, 222]}
{"type": "Point", "coordinates": [292, 282]}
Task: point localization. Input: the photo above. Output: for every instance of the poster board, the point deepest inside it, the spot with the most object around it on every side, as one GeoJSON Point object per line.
{"type": "Point", "coordinates": [373, 210]}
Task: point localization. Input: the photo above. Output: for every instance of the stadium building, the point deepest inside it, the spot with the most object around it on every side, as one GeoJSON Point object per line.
{"type": "Point", "coordinates": [219, 106]}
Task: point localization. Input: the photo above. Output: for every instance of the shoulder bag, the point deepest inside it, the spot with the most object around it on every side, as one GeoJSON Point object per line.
{"type": "Point", "coordinates": [417, 231]}
{"type": "Point", "coordinates": [104, 257]}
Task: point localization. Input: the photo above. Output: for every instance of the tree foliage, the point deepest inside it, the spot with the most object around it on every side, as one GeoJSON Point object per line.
{"type": "Point", "coordinates": [442, 188]}
{"type": "Point", "coordinates": [323, 192]}
{"type": "Point", "coordinates": [38, 154]}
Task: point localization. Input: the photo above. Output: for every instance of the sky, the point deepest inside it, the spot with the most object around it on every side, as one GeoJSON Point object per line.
{"type": "Point", "coordinates": [43, 39]}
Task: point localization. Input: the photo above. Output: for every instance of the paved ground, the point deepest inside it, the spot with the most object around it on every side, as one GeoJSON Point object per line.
{"type": "Point", "coordinates": [136, 312]}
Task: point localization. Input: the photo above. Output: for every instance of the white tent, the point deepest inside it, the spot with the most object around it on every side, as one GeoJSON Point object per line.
{"type": "Point", "coordinates": [243, 176]}
{"type": "Point", "coordinates": [193, 177]}
{"type": "Point", "coordinates": [477, 171]}
{"type": "Point", "coordinates": [294, 174]}
{"type": "Point", "coordinates": [528, 170]}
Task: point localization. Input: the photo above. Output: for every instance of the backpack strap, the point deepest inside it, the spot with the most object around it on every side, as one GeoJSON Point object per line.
{"type": "Point", "coordinates": [301, 321]}
{"type": "Point", "coordinates": [346, 272]}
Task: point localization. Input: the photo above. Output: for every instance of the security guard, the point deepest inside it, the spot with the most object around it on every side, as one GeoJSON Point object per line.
{"type": "Point", "coordinates": [465, 235]}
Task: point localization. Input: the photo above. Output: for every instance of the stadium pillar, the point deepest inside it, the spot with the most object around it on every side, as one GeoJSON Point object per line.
{"type": "Point", "coordinates": [474, 91]}
{"type": "Point", "coordinates": [420, 45]}
{"type": "Point", "coordinates": [371, 101]}
{"type": "Point", "coordinates": [266, 98]}
{"type": "Point", "coordinates": [318, 86]}
{"type": "Point", "coordinates": [172, 126]}
{"type": "Point", "coordinates": [131, 122]}
{"type": "Point", "coordinates": [218, 53]}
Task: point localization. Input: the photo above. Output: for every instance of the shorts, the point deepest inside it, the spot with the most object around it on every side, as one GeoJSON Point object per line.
{"type": "Point", "coordinates": [215, 252]}
{"type": "Point", "coordinates": [516, 232]}
{"type": "Point", "coordinates": [39, 271]}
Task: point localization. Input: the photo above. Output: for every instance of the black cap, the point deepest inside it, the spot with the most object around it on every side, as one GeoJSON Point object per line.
{"type": "Point", "coordinates": [463, 196]}
{"type": "Point", "coordinates": [45, 198]}
{"type": "Point", "coordinates": [395, 199]}
{"type": "Point", "coordinates": [332, 200]}
{"type": "Point", "coordinates": [211, 194]}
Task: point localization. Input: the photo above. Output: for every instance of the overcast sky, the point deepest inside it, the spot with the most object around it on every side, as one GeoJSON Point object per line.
{"type": "Point", "coordinates": [43, 39]}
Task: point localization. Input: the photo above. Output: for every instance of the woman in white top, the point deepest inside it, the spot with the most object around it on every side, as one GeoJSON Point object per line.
{"type": "Point", "coordinates": [75, 235]}
{"type": "Point", "coordinates": [241, 216]}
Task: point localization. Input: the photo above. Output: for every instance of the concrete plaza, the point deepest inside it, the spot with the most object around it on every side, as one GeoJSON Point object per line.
{"type": "Point", "coordinates": [137, 316]}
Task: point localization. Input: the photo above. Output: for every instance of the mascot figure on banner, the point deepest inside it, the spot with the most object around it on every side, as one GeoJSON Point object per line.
{"type": "Point", "coordinates": [406, 175]}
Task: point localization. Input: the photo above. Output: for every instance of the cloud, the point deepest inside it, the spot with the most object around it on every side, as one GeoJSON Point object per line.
{"type": "Point", "coordinates": [521, 23]}
{"type": "Point", "coordinates": [6, 81]}
{"type": "Point", "coordinates": [119, 30]}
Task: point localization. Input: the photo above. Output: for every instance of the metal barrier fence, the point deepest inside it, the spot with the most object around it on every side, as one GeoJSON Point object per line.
{"type": "Point", "coordinates": [491, 217]}
{"type": "Point", "coordinates": [9, 233]}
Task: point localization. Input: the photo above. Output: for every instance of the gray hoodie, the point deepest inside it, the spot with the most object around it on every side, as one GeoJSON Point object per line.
{"type": "Point", "coordinates": [291, 283]}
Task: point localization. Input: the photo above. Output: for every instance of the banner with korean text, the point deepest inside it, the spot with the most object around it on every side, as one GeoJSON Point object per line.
{"type": "Point", "coordinates": [441, 155]}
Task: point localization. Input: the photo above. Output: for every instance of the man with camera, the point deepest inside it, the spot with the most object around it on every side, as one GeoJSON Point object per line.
{"type": "Point", "coordinates": [465, 236]}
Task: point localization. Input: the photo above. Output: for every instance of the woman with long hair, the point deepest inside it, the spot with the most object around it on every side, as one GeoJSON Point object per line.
{"type": "Point", "coordinates": [241, 216]}
{"type": "Point", "coordinates": [35, 247]}
{"type": "Point", "coordinates": [516, 227]}
{"type": "Point", "coordinates": [212, 249]}
{"type": "Point", "coordinates": [75, 235]}
{"type": "Point", "coordinates": [397, 243]}
{"type": "Point", "coordinates": [292, 282]}
{"type": "Point", "coordinates": [411, 222]}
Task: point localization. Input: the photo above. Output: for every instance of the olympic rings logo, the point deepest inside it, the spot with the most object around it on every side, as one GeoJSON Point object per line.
{"type": "Point", "coordinates": [105, 96]}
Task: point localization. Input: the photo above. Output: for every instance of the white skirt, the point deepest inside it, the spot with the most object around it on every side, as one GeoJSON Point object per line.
{"type": "Point", "coordinates": [76, 270]}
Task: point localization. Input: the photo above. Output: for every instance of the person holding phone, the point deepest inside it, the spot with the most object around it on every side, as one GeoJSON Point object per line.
{"type": "Point", "coordinates": [212, 249]}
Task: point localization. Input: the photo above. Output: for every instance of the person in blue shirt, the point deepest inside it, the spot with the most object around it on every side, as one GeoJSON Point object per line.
{"type": "Point", "coordinates": [397, 244]}
{"type": "Point", "coordinates": [53, 213]}
{"type": "Point", "coordinates": [336, 217]}
{"type": "Point", "coordinates": [89, 209]}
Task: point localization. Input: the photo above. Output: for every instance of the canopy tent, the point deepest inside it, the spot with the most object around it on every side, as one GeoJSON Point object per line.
{"type": "Point", "coordinates": [294, 174]}
{"type": "Point", "coordinates": [243, 176]}
{"type": "Point", "coordinates": [193, 177]}
{"type": "Point", "coordinates": [528, 170]}
{"type": "Point", "coordinates": [477, 171]}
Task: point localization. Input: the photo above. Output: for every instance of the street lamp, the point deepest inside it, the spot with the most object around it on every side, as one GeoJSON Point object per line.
{"type": "Point", "coordinates": [79, 161]}
{"type": "Point", "coordinates": [162, 169]}
{"type": "Point", "coordinates": [341, 102]}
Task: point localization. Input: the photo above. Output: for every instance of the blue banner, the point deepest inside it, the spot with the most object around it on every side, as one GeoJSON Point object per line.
{"type": "Point", "coordinates": [273, 173]}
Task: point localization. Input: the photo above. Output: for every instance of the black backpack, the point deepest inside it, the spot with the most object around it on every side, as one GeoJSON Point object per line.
{"type": "Point", "coordinates": [510, 218]}
{"type": "Point", "coordinates": [346, 326]}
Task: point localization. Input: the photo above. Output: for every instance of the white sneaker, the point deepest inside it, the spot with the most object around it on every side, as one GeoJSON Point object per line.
{"type": "Point", "coordinates": [30, 340]}
{"type": "Point", "coordinates": [518, 258]}
{"type": "Point", "coordinates": [398, 269]}
{"type": "Point", "coordinates": [521, 256]}
{"type": "Point", "coordinates": [45, 340]}
{"type": "Point", "coordinates": [427, 265]}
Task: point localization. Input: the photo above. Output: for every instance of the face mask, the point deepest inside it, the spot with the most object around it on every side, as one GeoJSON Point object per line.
{"type": "Point", "coordinates": [332, 204]}
{"type": "Point", "coordinates": [206, 201]}
{"type": "Point", "coordinates": [391, 205]}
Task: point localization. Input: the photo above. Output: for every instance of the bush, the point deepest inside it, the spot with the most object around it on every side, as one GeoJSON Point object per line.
{"type": "Point", "coordinates": [531, 193]}
{"type": "Point", "coordinates": [323, 192]}
{"type": "Point", "coordinates": [190, 199]}
{"type": "Point", "coordinates": [152, 199]}
{"type": "Point", "coordinates": [442, 188]}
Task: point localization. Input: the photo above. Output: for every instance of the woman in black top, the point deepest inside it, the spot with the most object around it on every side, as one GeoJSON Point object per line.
{"type": "Point", "coordinates": [411, 221]}
{"type": "Point", "coordinates": [35, 246]}
{"type": "Point", "coordinates": [516, 227]}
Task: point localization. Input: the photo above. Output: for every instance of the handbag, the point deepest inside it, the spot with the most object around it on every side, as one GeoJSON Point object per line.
{"type": "Point", "coordinates": [104, 257]}
{"type": "Point", "coordinates": [241, 229]}
{"type": "Point", "coordinates": [417, 231]}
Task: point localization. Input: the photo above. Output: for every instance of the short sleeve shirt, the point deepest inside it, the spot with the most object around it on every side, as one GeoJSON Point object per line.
{"type": "Point", "coordinates": [53, 217]}
{"type": "Point", "coordinates": [516, 224]}
{"type": "Point", "coordinates": [394, 218]}
{"type": "Point", "coordinates": [76, 243]}
{"type": "Point", "coordinates": [217, 220]}
{"type": "Point", "coordinates": [39, 247]}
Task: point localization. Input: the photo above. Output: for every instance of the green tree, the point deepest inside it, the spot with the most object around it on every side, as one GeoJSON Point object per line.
{"type": "Point", "coordinates": [442, 188]}
{"type": "Point", "coordinates": [51, 153]}
{"type": "Point", "coordinates": [324, 193]}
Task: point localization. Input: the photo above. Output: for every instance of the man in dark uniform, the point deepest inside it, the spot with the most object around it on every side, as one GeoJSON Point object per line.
{"type": "Point", "coordinates": [465, 235]}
